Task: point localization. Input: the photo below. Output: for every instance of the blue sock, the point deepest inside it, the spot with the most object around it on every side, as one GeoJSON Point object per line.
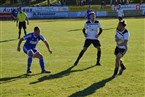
{"type": "Point", "coordinates": [41, 61]}
{"type": "Point", "coordinates": [29, 62]}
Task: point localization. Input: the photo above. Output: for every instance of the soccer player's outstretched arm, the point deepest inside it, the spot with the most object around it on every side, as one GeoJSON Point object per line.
{"type": "Point", "coordinates": [84, 32]}
{"type": "Point", "coordinates": [27, 20]}
{"type": "Point", "coordinates": [47, 45]}
{"type": "Point", "coordinates": [100, 31]}
{"type": "Point", "coordinates": [19, 44]}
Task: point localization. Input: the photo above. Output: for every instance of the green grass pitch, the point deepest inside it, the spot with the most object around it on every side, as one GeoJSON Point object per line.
{"type": "Point", "coordinates": [66, 40]}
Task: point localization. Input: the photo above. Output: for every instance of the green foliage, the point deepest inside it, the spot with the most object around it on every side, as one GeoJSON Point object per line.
{"type": "Point", "coordinates": [49, 2]}
{"type": "Point", "coordinates": [134, 1]}
{"type": "Point", "coordinates": [66, 40]}
{"type": "Point", "coordinates": [2, 1]}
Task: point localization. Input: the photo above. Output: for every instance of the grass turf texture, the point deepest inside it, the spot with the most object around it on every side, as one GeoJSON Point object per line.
{"type": "Point", "coordinates": [66, 40]}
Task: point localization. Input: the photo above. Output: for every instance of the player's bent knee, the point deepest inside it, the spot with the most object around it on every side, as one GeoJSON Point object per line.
{"type": "Point", "coordinates": [38, 55]}
{"type": "Point", "coordinates": [99, 48]}
{"type": "Point", "coordinates": [30, 53]}
{"type": "Point", "coordinates": [118, 58]}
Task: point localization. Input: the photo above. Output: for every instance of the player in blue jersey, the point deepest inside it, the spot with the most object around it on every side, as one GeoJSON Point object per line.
{"type": "Point", "coordinates": [88, 12]}
{"type": "Point", "coordinates": [14, 14]}
{"type": "Point", "coordinates": [30, 48]}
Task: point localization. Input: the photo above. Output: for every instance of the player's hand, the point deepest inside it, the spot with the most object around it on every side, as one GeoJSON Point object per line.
{"type": "Point", "coordinates": [27, 23]}
{"type": "Point", "coordinates": [18, 49]}
{"type": "Point", "coordinates": [85, 35]}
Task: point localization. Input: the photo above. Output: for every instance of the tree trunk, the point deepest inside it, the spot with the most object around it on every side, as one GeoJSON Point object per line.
{"type": "Point", "coordinates": [11, 1]}
{"type": "Point", "coordinates": [48, 2]}
{"type": "Point", "coordinates": [110, 2]}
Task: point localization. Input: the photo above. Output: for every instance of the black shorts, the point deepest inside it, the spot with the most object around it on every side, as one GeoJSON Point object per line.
{"type": "Point", "coordinates": [119, 50]}
{"type": "Point", "coordinates": [88, 42]}
{"type": "Point", "coordinates": [22, 24]}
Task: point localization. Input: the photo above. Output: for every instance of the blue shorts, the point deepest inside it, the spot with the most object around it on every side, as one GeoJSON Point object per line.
{"type": "Point", "coordinates": [27, 50]}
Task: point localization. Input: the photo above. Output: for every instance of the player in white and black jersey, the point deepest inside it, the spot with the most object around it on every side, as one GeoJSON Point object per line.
{"type": "Point", "coordinates": [91, 36]}
{"type": "Point", "coordinates": [121, 37]}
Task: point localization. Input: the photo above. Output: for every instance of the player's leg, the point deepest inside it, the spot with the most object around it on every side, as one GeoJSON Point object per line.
{"type": "Point", "coordinates": [41, 61]}
{"type": "Point", "coordinates": [122, 67]}
{"type": "Point", "coordinates": [98, 55]}
{"type": "Point", "coordinates": [123, 51]}
{"type": "Point", "coordinates": [119, 55]}
{"type": "Point", "coordinates": [117, 63]}
{"type": "Point", "coordinates": [20, 27]}
{"type": "Point", "coordinates": [24, 28]}
{"type": "Point", "coordinates": [80, 55]}
{"type": "Point", "coordinates": [30, 56]}
{"type": "Point", "coordinates": [97, 44]}
{"type": "Point", "coordinates": [122, 64]}
{"type": "Point", "coordinates": [29, 52]}
{"type": "Point", "coordinates": [86, 45]}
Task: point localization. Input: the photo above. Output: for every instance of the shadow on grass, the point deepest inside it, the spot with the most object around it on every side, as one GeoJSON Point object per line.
{"type": "Point", "coordinates": [109, 28]}
{"type": "Point", "coordinates": [74, 30]}
{"type": "Point", "coordinates": [1, 41]}
{"type": "Point", "coordinates": [60, 74]}
{"type": "Point", "coordinates": [81, 29]}
{"type": "Point", "coordinates": [10, 79]}
{"type": "Point", "coordinates": [91, 89]}
{"type": "Point", "coordinates": [47, 20]}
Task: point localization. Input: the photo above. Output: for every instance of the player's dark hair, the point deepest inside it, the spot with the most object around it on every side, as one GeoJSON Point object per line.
{"type": "Point", "coordinates": [123, 23]}
{"type": "Point", "coordinates": [36, 28]}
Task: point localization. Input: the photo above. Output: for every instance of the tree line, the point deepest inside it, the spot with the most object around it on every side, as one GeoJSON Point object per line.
{"type": "Point", "coordinates": [48, 1]}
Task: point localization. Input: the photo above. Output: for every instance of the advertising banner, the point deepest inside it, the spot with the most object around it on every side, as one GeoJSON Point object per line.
{"type": "Point", "coordinates": [126, 13]}
{"type": "Point", "coordinates": [101, 13]}
{"type": "Point", "coordinates": [130, 7]}
{"type": "Point", "coordinates": [58, 15]}
{"type": "Point", "coordinates": [133, 13]}
{"type": "Point", "coordinates": [62, 12]}
{"type": "Point", "coordinates": [48, 9]}
{"type": "Point", "coordinates": [34, 9]}
{"type": "Point", "coordinates": [50, 15]}
{"type": "Point", "coordinates": [111, 13]}
{"type": "Point", "coordinates": [142, 7]}
{"type": "Point", "coordinates": [143, 12]}
{"type": "Point", "coordinates": [125, 7]}
{"type": "Point", "coordinates": [81, 14]}
{"type": "Point", "coordinates": [65, 14]}
{"type": "Point", "coordinates": [9, 9]}
{"type": "Point", "coordinates": [5, 16]}
{"type": "Point", "coordinates": [84, 8]}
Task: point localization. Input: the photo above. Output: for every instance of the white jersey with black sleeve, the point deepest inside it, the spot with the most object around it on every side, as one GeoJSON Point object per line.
{"type": "Point", "coordinates": [120, 37]}
{"type": "Point", "coordinates": [92, 29]}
